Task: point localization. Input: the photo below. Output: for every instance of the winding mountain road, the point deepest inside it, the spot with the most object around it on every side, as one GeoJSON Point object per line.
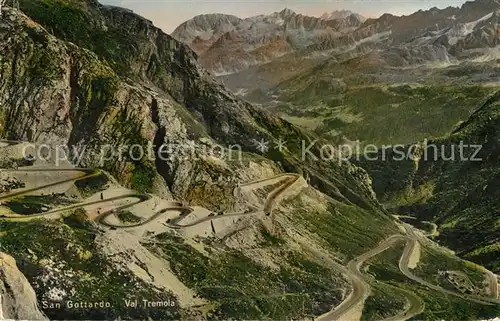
{"type": "Point", "coordinates": [288, 180]}
{"type": "Point", "coordinates": [87, 173]}
{"type": "Point", "coordinates": [361, 287]}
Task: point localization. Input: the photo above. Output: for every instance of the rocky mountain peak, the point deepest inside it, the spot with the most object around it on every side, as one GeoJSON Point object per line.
{"type": "Point", "coordinates": [341, 14]}
{"type": "Point", "coordinates": [245, 42]}
{"type": "Point", "coordinates": [473, 10]}
{"type": "Point", "coordinates": [287, 13]}
{"type": "Point", "coordinates": [206, 27]}
{"type": "Point", "coordinates": [355, 19]}
{"type": "Point", "coordinates": [483, 3]}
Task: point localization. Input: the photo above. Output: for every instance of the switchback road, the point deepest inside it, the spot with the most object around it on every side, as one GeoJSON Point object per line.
{"type": "Point", "coordinates": [288, 180]}
{"type": "Point", "coordinates": [361, 287]}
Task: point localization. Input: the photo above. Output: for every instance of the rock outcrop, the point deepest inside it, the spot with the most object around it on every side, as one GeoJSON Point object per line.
{"type": "Point", "coordinates": [17, 297]}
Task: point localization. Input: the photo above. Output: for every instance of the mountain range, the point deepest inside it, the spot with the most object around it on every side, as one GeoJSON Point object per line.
{"type": "Point", "coordinates": [228, 45]}
{"type": "Point", "coordinates": [450, 48]}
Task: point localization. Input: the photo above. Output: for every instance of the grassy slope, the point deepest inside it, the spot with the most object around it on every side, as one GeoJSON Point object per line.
{"type": "Point", "coordinates": [433, 261]}
{"type": "Point", "coordinates": [345, 230]}
{"type": "Point", "coordinates": [385, 115]}
{"type": "Point", "coordinates": [245, 289]}
{"type": "Point", "coordinates": [28, 205]}
{"type": "Point", "coordinates": [384, 301]}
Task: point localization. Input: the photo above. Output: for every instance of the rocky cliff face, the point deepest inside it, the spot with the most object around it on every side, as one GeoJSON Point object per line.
{"type": "Point", "coordinates": [484, 34]}
{"type": "Point", "coordinates": [18, 300]}
{"type": "Point", "coordinates": [152, 90]}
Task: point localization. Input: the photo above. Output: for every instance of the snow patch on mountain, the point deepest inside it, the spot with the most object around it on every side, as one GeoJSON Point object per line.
{"type": "Point", "coordinates": [461, 30]}
{"type": "Point", "coordinates": [376, 37]}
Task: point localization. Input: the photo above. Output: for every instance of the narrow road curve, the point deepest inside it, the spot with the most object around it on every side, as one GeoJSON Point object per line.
{"type": "Point", "coordinates": [289, 180]}
{"type": "Point", "coordinates": [275, 194]}
{"type": "Point", "coordinates": [361, 287]}
{"type": "Point", "coordinates": [493, 283]}
{"type": "Point", "coordinates": [412, 239]}
{"type": "Point", "coordinates": [57, 213]}
{"type": "Point", "coordinates": [492, 277]}
{"type": "Point", "coordinates": [86, 173]}
{"type": "Point", "coordinates": [416, 307]}
{"type": "Point", "coordinates": [174, 224]}
{"type": "Point", "coordinates": [184, 211]}
{"type": "Point", "coordinates": [360, 291]}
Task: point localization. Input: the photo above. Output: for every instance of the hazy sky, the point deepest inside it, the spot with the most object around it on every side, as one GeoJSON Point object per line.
{"type": "Point", "coordinates": [168, 14]}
